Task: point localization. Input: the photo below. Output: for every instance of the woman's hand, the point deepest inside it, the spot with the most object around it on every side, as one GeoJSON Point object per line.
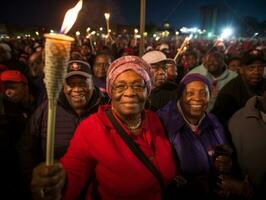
{"type": "Point", "coordinates": [47, 181]}
{"type": "Point", "coordinates": [223, 164]}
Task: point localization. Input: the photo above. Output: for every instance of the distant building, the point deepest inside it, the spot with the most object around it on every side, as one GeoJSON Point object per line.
{"type": "Point", "coordinates": [214, 17]}
{"type": "Point", "coordinates": [3, 29]}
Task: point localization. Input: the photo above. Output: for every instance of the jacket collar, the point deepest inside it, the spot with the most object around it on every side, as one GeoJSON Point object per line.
{"type": "Point", "coordinates": [251, 107]}
{"type": "Point", "coordinates": [176, 122]}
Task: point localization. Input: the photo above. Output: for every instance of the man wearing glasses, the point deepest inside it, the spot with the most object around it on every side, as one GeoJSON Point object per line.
{"type": "Point", "coordinates": [163, 90]}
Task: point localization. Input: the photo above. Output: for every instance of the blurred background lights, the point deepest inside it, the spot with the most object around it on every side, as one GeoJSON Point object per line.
{"type": "Point", "coordinates": [226, 33]}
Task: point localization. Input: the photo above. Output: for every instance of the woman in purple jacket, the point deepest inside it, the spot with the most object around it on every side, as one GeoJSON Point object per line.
{"type": "Point", "coordinates": [195, 135]}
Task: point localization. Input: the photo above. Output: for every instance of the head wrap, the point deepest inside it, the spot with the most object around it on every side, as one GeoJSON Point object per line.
{"type": "Point", "coordinates": [125, 63]}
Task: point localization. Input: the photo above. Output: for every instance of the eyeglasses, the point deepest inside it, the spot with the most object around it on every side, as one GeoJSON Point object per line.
{"type": "Point", "coordinates": [122, 87]}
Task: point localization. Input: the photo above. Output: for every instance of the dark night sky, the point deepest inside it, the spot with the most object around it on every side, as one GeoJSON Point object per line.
{"type": "Point", "coordinates": [177, 12]}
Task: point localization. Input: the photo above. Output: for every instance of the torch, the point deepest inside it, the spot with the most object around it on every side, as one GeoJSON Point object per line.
{"type": "Point", "coordinates": [91, 44]}
{"type": "Point", "coordinates": [107, 17]}
{"type": "Point", "coordinates": [182, 47]}
{"type": "Point", "coordinates": [57, 52]}
{"type": "Point", "coordinates": [90, 39]}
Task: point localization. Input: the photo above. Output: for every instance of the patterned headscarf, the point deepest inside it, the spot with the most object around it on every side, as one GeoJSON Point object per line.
{"type": "Point", "coordinates": [125, 63]}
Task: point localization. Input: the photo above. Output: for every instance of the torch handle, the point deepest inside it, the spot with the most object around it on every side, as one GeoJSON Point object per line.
{"type": "Point", "coordinates": [50, 132]}
{"type": "Point", "coordinates": [92, 48]}
{"type": "Point", "coordinates": [107, 26]}
{"type": "Point", "coordinates": [181, 48]}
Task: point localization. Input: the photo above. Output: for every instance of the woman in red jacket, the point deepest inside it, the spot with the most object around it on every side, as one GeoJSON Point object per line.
{"type": "Point", "coordinates": [97, 150]}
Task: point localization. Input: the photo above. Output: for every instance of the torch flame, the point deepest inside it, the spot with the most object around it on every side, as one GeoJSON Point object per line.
{"type": "Point", "coordinates": [70, 17]}
{"type": "Point", "coordinates": [107, 15]}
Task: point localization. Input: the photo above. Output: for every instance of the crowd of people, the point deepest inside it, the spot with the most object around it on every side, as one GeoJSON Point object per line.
{"type": "Point", "coordinates": [136, 127]}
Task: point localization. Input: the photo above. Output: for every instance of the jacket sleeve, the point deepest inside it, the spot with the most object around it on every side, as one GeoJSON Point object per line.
{"type": "Point", "coordinates": [78, 162]}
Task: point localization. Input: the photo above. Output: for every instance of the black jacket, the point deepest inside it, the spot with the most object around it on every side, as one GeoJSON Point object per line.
{"type": "Point", "coordinates": [33, 143]}
{"type": "Point", "coordinates": [232, 97]}
{"type": "Point", "coordinates": [13, 119]}
{"type": "Point", "coordinates": [161, 95]}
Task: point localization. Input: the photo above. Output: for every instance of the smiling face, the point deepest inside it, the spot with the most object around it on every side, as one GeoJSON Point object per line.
{"type": "Point", "coordinates": [129, 94]}
{"type": "Point", "coordinates": [194, 100]}
{"type": "Point", "coordinates": [214, 63]}
{"type": "Point", "coordinates": [78, 91]}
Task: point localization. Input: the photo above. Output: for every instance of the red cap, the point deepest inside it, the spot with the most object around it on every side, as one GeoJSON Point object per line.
{"type": "Point", "coordinates": [13, 76]}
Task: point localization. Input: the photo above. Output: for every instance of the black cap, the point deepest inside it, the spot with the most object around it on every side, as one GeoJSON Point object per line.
{"type": "Point", "coordinates": [251, 56]}
{"type": "Point", "coordinates": [78, 67]}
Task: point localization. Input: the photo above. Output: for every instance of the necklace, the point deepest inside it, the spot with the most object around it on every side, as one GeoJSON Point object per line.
{"type": "Point", "coordinates": [135, 126]}
{"type": "Point", "coordinates": [131, 127]}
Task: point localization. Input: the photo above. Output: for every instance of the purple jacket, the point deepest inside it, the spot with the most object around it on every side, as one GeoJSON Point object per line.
{"type": "Point", "coordinates": [195, 152]}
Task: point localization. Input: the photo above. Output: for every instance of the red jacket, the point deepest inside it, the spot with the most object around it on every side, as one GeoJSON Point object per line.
{"type": "Point", "coordinates": [97, 148]}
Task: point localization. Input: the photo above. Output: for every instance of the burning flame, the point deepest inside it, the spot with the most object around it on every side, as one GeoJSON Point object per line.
{"type": "Point", "coordinates": [70, 17]}
{"type": "Point", "coordinates": [107, 15]}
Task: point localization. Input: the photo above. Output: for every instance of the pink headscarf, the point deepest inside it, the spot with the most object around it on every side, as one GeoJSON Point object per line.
{"type": "Point", "coordinates": [125, 63]}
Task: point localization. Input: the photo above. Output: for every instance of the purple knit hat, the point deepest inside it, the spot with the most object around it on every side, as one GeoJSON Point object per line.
{"type": "Point", "coordinates": [190, 78]}
{"type": "Point", "coordinates": [125, 63]}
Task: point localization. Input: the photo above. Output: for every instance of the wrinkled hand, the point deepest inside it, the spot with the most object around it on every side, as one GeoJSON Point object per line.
{"type": "Point", "coordinates": [47, 181]}
{"type": "Point", "coordinates": [229, 185]}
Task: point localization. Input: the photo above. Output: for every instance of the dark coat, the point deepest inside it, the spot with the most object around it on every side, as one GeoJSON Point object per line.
{"type": "Point", "coordinates": [33, 143]}
{"type": "Point", "coordinates": [248, 134]}
{"type": "Point", "coordinates": [232, 97]}
{"type": "Point", "coordinates": [162, 95]}
{"type": "Point", "coordinates": [13, 119]}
